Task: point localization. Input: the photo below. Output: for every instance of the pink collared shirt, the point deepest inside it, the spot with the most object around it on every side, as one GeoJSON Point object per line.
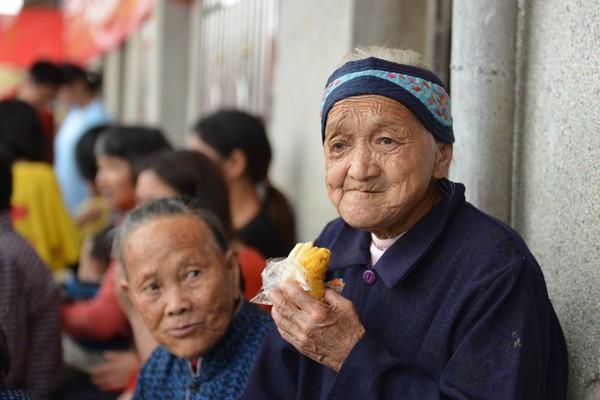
{"type": "Point", "coordinates": [379, 246]}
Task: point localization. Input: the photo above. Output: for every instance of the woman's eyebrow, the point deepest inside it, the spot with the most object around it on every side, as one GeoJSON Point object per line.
{"type": "Point", "coordinates": [146, 277]}
{"type": "Point", "coordinates": [391, 124]}
{"type": "Point", "coordinates": [188, 260]}
{"type": "Point", "coordinates": [337, 123]}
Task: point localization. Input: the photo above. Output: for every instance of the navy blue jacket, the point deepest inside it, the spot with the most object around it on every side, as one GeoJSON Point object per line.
{"type": "Point", "coordinates": [459, 310]}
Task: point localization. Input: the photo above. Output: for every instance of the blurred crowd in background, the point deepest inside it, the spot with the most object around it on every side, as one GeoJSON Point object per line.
{"type": "Point", "coordinates": [69, 174]}
{"type": "Point", "coordinates": [83, 143]}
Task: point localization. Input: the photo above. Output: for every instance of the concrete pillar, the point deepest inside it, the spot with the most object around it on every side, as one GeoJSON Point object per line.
{"type": "Point", "coordinates": [557, 182]}
{"type": "Point", "coordinates": [155, 76]}
{"type": "Point", "coordinates": [392, 23]}
{"type": "Point", "coordinates": [174, 75]}
{"type": "Point", "coordinates": [131, 80]}
{"type": "Point", "coordinates": [544, 126]}
{"type": "Point", "coordinates": [112, 84]}
{"type": "Point", "coordinates": [483, 95]}
{"type": "Point", "coordinates": [305, 57]}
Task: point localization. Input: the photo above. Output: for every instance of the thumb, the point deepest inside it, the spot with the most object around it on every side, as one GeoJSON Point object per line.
{"type": "Point", "coordinates": [334, 299]}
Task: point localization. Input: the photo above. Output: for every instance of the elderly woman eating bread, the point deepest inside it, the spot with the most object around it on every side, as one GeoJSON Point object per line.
{"type": "Point", "coordinates": [440, 300]}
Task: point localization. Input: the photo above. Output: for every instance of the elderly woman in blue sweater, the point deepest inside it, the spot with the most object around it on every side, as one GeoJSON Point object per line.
{"type": "Point", "coordinates": [185, 284]}
{"type": "Point", "coordinates": [441, 301]}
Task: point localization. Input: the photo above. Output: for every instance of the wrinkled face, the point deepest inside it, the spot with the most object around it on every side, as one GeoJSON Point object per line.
{"type": "Point", "coordinates": [150, 187]}
{"type": "Point", "coordinates": [115, 182]}
{"type": "Point", "coordinates": [380, 163]}
{"type": "Point", "coordinates": [181, 283]}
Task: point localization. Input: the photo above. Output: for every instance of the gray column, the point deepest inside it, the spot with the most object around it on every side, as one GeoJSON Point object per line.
{"type": "Point", "coordinates": [174, 62]}
{"type": "Point", "coordinates": [482, 91]}
{"type": "Point", "coordinates": [392, 23]}
{"type": "Point", "coordinates": [557, 180]}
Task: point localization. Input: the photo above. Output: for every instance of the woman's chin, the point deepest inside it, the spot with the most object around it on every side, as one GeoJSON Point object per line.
{"type": "Point", "coordinates": [363, 220]}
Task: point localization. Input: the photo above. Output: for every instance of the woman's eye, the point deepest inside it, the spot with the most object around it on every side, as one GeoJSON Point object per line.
{"type": "Point", "coordinates": [151, 287]}
{"type": "Point", "coordinates": [193, 274]}
{"type": "Point", "coordinates": [385, 141]}
{"type": "Point", "coordinates": [337, 147]}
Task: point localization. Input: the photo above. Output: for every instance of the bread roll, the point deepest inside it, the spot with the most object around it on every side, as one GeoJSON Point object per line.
{"type": "Point", "coordinates": [314, 261]}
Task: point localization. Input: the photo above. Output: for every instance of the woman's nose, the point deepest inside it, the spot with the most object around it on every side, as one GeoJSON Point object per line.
{"type": "Point", "coordinates": [363, 165]}
{"type": "Point", "coordinates": [177, 302]}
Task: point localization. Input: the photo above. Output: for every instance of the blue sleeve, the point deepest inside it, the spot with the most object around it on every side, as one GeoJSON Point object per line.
{"type": "Point", "coordinates": [77, 290]}
{"type": "Point", "coordinates": [275, 372]}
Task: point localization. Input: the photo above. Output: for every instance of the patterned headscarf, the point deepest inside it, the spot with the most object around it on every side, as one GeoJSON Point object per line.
{"type": "Point", "coordinates": [418, 89]}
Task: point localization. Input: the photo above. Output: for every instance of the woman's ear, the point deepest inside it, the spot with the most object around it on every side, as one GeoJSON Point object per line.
{"type": "Point", "coordinates": [234, 166]}
{"type": "Point", "coordinates": [234, 269]}
{"type": "Point", "coordinates": [124, 285]}
{"type": "Point", "coordinates": [443, 157]}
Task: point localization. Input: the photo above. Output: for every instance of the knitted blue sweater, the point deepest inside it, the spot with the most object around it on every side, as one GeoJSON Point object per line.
{"type": "Point", "coordinates": [223, 372]}
{"type": "Point", "coordinates": [12, 394]}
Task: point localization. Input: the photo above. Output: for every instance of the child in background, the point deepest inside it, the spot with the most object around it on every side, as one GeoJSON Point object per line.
{"type": "Point", "coordinates": [94, 214]}
{"type": "Point", "coordinates": [93, 263]}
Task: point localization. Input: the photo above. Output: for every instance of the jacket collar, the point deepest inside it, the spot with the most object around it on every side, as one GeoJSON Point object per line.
{"type": "Point", "coordinates": [351, 247]}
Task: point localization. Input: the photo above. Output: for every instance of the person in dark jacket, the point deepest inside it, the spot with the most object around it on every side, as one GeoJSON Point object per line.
{"type": "Point", "coordinates": [440, 301]}
{"type": "Point", "coordinates": [30, 342]}
{"type": "Point", "coordinates": [260, 214]}
{"type": "Point", "coordinates": [6, 394]}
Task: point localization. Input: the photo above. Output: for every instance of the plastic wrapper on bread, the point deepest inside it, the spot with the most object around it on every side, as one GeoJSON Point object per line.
{"type": "Point", "coordinates": [306, 264]}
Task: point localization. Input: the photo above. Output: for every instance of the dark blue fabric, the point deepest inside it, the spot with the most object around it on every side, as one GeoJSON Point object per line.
{"type": "Point", "coordinates": [77, 290]}
{"type": "Point", "coordinates": [12, 394]}
{"type": "Point", "coordinates": [384, 65]}
{"type": "Point", "coordinates": [459, 310]}
{"type": "Point", "coordinates": [223, 372]}
{"type": "Point", "coordinates": [373, 85]}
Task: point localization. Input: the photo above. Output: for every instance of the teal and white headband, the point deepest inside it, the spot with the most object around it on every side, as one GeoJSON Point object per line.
{"type": "Point", "coordinates": [419, 90]}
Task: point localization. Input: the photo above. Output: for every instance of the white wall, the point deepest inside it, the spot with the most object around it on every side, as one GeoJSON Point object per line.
{"type": "Point", "coordinates": [313, 35]}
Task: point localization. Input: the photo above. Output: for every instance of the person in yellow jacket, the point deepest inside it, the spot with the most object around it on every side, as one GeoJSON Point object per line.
{"type": "Point", "coordinates": [38, 212]}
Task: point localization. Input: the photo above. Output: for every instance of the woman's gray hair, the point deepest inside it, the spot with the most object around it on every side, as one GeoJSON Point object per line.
{"type": "Point", "coordinates": [399, 56]}
{"type": "Point", "coordinates": [169, 207]}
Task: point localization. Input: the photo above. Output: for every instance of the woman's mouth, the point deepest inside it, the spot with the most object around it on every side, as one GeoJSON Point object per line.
{"type": "Point", "coordinates": [183, 330]}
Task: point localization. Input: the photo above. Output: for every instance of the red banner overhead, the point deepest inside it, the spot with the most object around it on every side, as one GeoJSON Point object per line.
{"type": "Point", "coordinates": [34, 33]}
{"type": "Point", "coordinates": [94, 26]}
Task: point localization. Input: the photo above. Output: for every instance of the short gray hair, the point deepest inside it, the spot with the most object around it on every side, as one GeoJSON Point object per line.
{"type": "Point", "coordinates": [169, 207]}
{"type": "Point", "coordinates": [399, 56]}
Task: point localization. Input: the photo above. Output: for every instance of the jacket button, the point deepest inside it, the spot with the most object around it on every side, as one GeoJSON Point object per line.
{"type": "Point", "coordinates": [369, 277]}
